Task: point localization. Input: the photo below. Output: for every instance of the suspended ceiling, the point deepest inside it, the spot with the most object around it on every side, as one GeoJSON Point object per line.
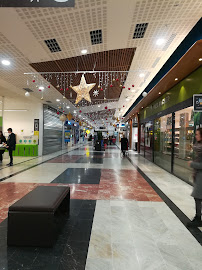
{"type": "Point", "coordinates": [23, 31]}
{"type": "Point", "coordinates": [113, 60]}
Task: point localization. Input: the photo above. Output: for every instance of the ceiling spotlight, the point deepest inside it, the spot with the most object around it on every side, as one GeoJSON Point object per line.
{"type": "Point", "coordinates": [58, 100]}
{"type": "Point", "coordinates": [5, 62]}
{"type": "Point", "coordinates": [41, 88]}
{"type": "Point", "coordinates": [84, 51]}
{"type": "Point", "coordinates": [176, 79]}
{"type": "Point", "coordinates": [142, 107]}
{"type": "Point", "coordinates": [200, 59]}
{"type": "Point", "coordinates": [68, 107]}
{"type": "Point", "coordinates": [160, 41]}
{"type": "Point", "coordinates": [27, 94]}
{"type": "Point", "coordinates": [159, 93]}
{"type": "Point", "coordinates": [141, 75]}
{"type": "Point", "coordinates": [99, 106]}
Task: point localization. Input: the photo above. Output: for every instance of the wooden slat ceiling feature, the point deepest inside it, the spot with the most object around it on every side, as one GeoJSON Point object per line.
{"type": "Point", "coordinates": [101, 115]}
{"type": "Point", "coordinates": [185, 66]}
{"type": "Point", "coordinates": [114, 60]}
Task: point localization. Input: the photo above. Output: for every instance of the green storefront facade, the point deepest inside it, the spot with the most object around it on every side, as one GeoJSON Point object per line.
{"type": "Point", "coordinates": [168, 126]}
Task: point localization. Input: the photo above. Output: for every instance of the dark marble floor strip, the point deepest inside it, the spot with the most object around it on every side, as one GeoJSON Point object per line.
{"type": "Point", "coordinates": [70, 251]}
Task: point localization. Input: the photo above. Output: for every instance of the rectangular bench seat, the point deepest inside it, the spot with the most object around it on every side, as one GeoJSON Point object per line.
{"type": "Point", "coordinates": [35, 219]}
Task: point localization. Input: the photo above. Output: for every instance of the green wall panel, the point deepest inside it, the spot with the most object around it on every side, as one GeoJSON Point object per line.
{"type": "Point", "coordinates": [182, 91]}
{"type": "Point", "coordinates": [1, 122]}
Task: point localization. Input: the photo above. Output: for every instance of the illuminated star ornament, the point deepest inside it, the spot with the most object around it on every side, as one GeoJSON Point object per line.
{"type": "Point", "coordinates": [83, 90]}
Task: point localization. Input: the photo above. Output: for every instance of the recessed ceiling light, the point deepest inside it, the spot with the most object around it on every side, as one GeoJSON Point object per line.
{"type": "Point", "coordinates": [142, 107]}
{"type": "Point", "coordinates": [99, 106]}
{"type": "Point", "coordinates": [58, 100]}
{"type": "Point", "coordinates": [5, 62]}
{"type": "Point", "coordinates": [176, 79]}
{"type": "Point", "coordinates": [200, 59]}
{"type": "Point", "coordinates": [141, 75]}
{"type": "Point", "coordinates": [41, 88]}
{"type": "Point", "coordinates": [159, 93]}
{"type": "Point", "coordinates": [160, 41]}
{"type": "Point", "coordinates": [67, 107]}
{"type": "Point", "coordinates": [84, 51]}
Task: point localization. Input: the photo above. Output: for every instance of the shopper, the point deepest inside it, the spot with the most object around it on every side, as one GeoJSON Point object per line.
{"type": "Point", "coordinates": [2, 141]}
{"type": "Point", "coordinates": [196, 164]}
{"type": "Point", "coordinates": [124, 145]}
{"type": "Point", "coordinates": [11, 143]}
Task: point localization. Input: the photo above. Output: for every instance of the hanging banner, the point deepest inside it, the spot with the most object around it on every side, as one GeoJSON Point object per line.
{"type": "Point", "coordinates": [37, 3]}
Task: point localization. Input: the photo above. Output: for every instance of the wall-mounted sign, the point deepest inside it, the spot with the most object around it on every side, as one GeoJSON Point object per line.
{"type": "Point", "coordinates": [197, 102]}
{"type": "Point", "coordinates": [37, 3]}
{"type": "Point", "coordinates": [67, 136]}
{"type": "Point", "coordinates": [36, 128]}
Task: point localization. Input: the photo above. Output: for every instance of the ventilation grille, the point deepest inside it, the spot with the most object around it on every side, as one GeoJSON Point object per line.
{"type": "Point", "coordinates": [53, 45]}
{"type": "Point", "coordinates": [140, 30]}
{"type": "Point", "coordinates": [28, 90]}
{"type": "Point", "coordinates": [96, 37]}
{"type": "Point", "coordinates": [156, 62]}
{"type": "Point", "coordinates": [169, 42]}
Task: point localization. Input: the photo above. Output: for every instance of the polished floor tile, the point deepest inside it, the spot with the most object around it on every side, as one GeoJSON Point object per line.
{"type": "Point", "coordinates": [93, 160]}
{"type": "Point", "coordinates": [79, 176]}
{"type": "Point", "coordinates": [117, 220]}
{"type": "Point", "coordinates": [69, 252]}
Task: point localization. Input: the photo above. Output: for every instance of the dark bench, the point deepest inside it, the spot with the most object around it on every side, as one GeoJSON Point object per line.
{"type": "Point", "coordinates": [34, 220]}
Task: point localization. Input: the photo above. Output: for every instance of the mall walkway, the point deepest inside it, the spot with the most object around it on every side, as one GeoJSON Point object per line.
{"type": "Point", "coordinates": [119, 219]}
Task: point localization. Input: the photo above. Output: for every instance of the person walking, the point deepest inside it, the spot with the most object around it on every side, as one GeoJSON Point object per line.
{"type": "Point", "coordinates": [124, 145]}
{"type": "Point", "coordinates": [11, 143]}
{"type": "Point", "coordinates": [196, 164]}
{"type": "Point", "coordinates": [2, 141]}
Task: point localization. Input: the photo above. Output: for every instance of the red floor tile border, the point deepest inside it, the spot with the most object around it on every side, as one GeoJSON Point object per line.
{"type": "Point", "coordinates": [114, 185]}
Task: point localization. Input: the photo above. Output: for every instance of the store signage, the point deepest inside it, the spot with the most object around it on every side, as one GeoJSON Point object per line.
{"type": "Point", "coordinates": [37, 3]}
{"type": "Point", "coordinates": [197, 102]}
{"type": "Point", "coordinates": [160, 103]}
{"type": "Point", "coordinates": [36, 124]}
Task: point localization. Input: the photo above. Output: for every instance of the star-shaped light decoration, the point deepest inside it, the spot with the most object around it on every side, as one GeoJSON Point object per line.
{"type": "Point", "coordinates": [95, 93]}
{"type": "Point", "coordinates": [83, 90]}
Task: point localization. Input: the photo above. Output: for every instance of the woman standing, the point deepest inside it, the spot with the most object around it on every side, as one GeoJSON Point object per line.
{"type": "Point", "coordinates": [197, 166]}
{"type": "Point", "coordinates": [2, 140]}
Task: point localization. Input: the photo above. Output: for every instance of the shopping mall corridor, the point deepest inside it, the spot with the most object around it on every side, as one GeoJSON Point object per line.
{"type": "Point", "coordinates": [122, 214]}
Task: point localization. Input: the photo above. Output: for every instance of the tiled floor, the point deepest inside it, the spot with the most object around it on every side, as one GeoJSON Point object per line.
{"type": "Point", "coordinates": [117, 220]}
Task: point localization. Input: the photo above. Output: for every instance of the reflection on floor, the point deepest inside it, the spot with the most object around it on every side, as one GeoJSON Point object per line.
{"type": "Point", "coordinates": [117, 221]}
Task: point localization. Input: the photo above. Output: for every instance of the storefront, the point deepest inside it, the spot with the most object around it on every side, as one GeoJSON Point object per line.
{"type": "Point", "coordinates": [167, 127]}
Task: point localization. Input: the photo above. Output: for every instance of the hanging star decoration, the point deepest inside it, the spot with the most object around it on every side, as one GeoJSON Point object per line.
{"type": "Point", "coordinates": [95, 93]}
{"type": "Point", "coordinates": [83, 90]}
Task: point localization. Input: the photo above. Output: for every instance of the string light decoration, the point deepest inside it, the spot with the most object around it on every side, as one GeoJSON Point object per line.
{"type": "Point", "coordinates": [80, 95]}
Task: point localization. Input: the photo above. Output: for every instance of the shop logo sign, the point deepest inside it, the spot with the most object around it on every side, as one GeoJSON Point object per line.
{"type": "Point", "coordinates": [197, 102]}
{"type": "Point", "coordinates": [37, 3]}
{"type": "Point", "coordinates": [160, 103]}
